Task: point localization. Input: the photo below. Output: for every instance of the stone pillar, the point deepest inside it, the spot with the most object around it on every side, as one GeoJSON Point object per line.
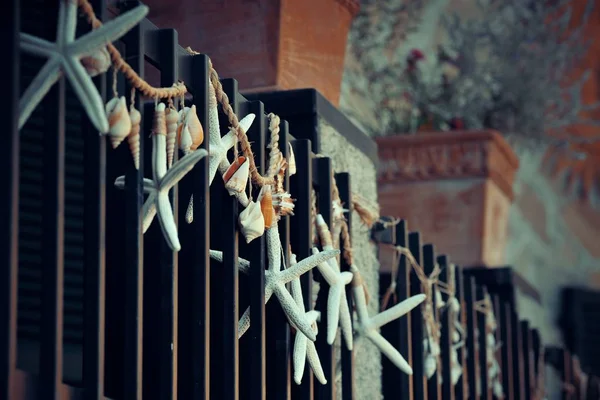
{"type": "Point", "coordinates": [453, 187]}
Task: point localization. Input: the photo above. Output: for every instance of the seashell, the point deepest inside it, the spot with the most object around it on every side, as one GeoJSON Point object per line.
{"type": "Point", "coordinates": [159, 123]}
{"type": "Point", "coordinates": [291, 160]}
{"type": "Point", "coordinates": [159, 153]}
{"type": "Point", "coordinates": [189, 132]}
{"type": "Point", "coordinates": [96, 63]}
{"type": "Point", "coordinates": [252, 222]}
{"type": "Point", "coordinates": [236, 176]}
{"type": "Point", "coordinates": [266, 205]}
{"type": "Point", "coordinates": [455, 305]}
{"type": "Point", "coordinates": [171, 118]}
{"type": "Point", "coordinates": [118, 120]}
{"type": "Point", "coordinates": [430, 366]}
{"type": "Point", "coordinates": [439, 301]}
{"type": "Point", "coordinates": [283, 204]}
{"type": "Point", "coordinates": [134, 136]}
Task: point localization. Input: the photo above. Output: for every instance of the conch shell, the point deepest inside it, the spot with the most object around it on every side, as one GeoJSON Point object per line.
{"type": "Point", "coordinates": [236, 176]}
{"type": "Point", "coordinates": [291, 160]}
{"type": "Point", "coordinates": [134, 136]}
{"type": "Point", "coordinates": [171, 118]}
{"type": "Point", "coordinates": [252, 222]}
{"type": "Point", "coordinates": [266, 205]}
{"type": "Point", "coordinates": [96, 63]}
{"type": "Point", "coordinates": [118, 120]}
{"type": "Point", "coordinates": [189, 132]}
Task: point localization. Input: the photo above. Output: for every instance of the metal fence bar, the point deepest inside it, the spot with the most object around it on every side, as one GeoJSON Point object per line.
{"type": "Point", "coordinates": [416, 321]}
{"type": "Point", "coordinates": [302, 241]}
{"type": "Point", "coordinates": [429, 262]}
{"type": "Point", "coordinates": [194, 264]}
{"type": "Point", "coordinates": [256, 252]}
{"type": "Point", "coordinates": [460, 390]}
{"type": "Point", "coordinates": [94, 249]}
{"type": "Point", "coordinates": [506, 350]}
{"type": "Point", "coordinates": [229, 233]}
{"type": "Point", "coordinates": [536, 344]}
{"type": "Point", "coordinates": [9, 203]}
{"type": "Point", "coordinates": [348, 376]}
{"type": "Point", "coordinates": [326, 352]}
{"type": "Point", "coordinates": [498, 336]}
{"type": "Point", "coordinates": [447, 327]}
{"type": "Point", "coordinates": [485, 388]}
{"type": "Point", "coordinates": [133, 257]}
{"type": "Point", "coordinates": [517, 351]}
{"type": "Point", "coordinates": [472, 366]}
{"type": "Point", "coordinates": [526, 351]}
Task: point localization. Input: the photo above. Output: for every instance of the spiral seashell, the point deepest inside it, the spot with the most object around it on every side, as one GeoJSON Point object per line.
{"type": "Point", "coordinates": [171, 120]}
{"type": "Point", "coordinates": [252, 222]}
{"type": "Point", "coordinates": [189, 132]}
{"type": "Point", "coordinates": [283, 204]}
{"type": "Point", "coordinates": [266, 204]}
{"type": "Point", "coordinates": [236, 176]}
{"type": "Point", "coordinates": [291, 160]}
{"type": "Point", "coordinates": [134, 136]}
{"type": "Point", "coordinates": [96, 63]}
{"type": "Point", "coordinates": [159, 153]}
{"type": "Point", "coordinates": [118, 120]}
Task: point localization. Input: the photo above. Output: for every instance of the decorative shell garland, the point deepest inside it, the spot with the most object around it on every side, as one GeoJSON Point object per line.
{"type": "Point", "coordinates": [171, 120]}
{"type": "Point", "coordinates": [96, 63]}
{"type": "Point", "coordinates": [252, 222]}
{"type": "Point", "coordinates": [119, 121]}
{"type": "Point", "coordinates": [134, 136]}
{"type": "Point", "coordinates": [189, 131]}
{"type": "Point", "coordinates": [236, 177]}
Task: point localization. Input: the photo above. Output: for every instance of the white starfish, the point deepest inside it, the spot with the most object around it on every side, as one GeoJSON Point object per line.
{"type": "Point", "coordinates": [276, 279]}
{"type": "Point", "coordinates": [303, 348]}
{"type": "Point", "coordinates": [338, 312]}
{"type": "Point", "coordinates": [367, 326]}
{"type": "Point", "coordinates": [64, 57]}
{"type": "Point", "coordinates": [218, 148]}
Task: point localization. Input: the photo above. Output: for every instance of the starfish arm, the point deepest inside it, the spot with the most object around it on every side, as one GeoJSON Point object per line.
{"type": "Point", "coordinates": [346, 277]}
{"type": "Point", "coordinates": [333, 311]}
{"type": "Point", "coordinates": [274, 249]}
{"type": "Point", "coordinates": [149, 185]}
{"type": "Point", "coordinates": [243, 199]}
{"type": "Point", "coordinates": [224, 166]}
{"type": "Point", "coordinates": [346, 321]}
{"type": "Point", "coordinates": [315, 363]}
{"type": "Point", "coordinates": [244, 322]}
{"type": "Point", "coordinates": [107, 33]}
{"type": "Point", "coordinates": [297, 293]}
{"type": "Point", "coordinates": [181, 168]}
{"type": "Point", "coordinates": [293, 313]}
{"type": "Point", "coordinates": [159, 158]}
{"type": "Point", "coordinates": [38, 88]}
{"type": "Point", "coordinates": [87, 92]}
{"type": "Point", "coordinates": [361, 304]}
{"type": "Point", "coordinates": [228, 141]}
{"type": "Point", "coordinates": [167, 221]}
{"type": "Point", "coordinates": [244, 265]}
{"type": "Point", "coordinates": [67, 22]}
{"type": "Point", "coordinates": [148, 211]}
{"type": "Point", "coordinates": [35, 45]}
{"type": "Point", "coordinates": [299, 356]}
{"type": "Point", "coordinates": [214, 129]}
{"type": "Point", "coordinates": [397, 311]}
{"type": "Point", "coordinates": [325, 269]}
{"type": "Point", "coordinates": [390, 352]}
{"type": "Point", "coordinates": [215, 155]}
{"type": "Point", "coordinates": [313, 316]}
{"type": "Point", "coordinates": [306, 265]}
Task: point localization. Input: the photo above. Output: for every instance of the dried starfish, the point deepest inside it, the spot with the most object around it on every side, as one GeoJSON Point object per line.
{"type": "Point", "coordinates": [303, 348]}
{"type": "Point", "coordinates": [338, 312]}
{"type": "Point", "coordinates": [276, 279]}
{"type": "Point", "coordinates": [64, 57]}
{"type": "Point", "coordinates": [367, 326]}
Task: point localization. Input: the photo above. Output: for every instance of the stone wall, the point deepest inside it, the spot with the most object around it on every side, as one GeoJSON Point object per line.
{"type": "Point", "coordinates": [363, 173]}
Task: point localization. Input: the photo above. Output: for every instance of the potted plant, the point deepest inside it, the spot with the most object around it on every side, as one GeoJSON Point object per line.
{"type": "Point", "coordinates": [444, 119]}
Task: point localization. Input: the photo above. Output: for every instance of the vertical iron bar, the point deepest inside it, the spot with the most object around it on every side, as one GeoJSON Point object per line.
{"type": "Point", "coordinates": [94, 250]}
{"type": "Point", "coordinates": [460, 390]}
{"type": "Point", "coordinates": [472, 362]}
{"type": "Point", "coordinates": [498, 337]}
{"type": "Point", "coordinates": [526, 340]}
{"type": "Point", "coordinates": [194, 268]}
{"type": "Point", "coordinates": [302, 240]}
{"type": "Point", "coordinates": [9, 208]}
{"type": "Point", "coordinates": [134, 239]}
{"type": "Point", "coordinates": [447, 320]}
{"type": "Point", "coordinates": [518, 381]}
{"type": "Point", "coordinates": [230, 277]}
{"type": "Point", "coordinates": [256, 249]}
{"type": "Point", "coordinates": [51, 346]}
{"type": "Point", "coordinates": [326, 352]}
{"type": "Point", "coordinates": [168, 268]}
{"type": "Point", "coordinates": [416, 318]}
{"type": "Point", "coordinates": [507, 351]}
{"type": "Point", "coordinates": [348, 389]}
{"type": "Point", "coordinates": [429, 262]}
{"type": "Point", "coordinates": [486, 392]}
{"type": "Point", "coordinates": [536, 344]}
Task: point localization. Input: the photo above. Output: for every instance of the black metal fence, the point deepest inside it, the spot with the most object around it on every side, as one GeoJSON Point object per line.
{"type": "Point", "coordinates": [96, 309]}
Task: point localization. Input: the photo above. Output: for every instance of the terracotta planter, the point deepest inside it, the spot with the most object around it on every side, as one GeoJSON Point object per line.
{"type": "Point", "coordinates": [455, 188]}
{"type": "Point", "coordinates": [266, 44]}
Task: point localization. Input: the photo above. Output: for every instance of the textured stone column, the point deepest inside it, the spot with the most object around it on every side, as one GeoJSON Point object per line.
{"type": "Point", "coordinates": [453, 187]}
